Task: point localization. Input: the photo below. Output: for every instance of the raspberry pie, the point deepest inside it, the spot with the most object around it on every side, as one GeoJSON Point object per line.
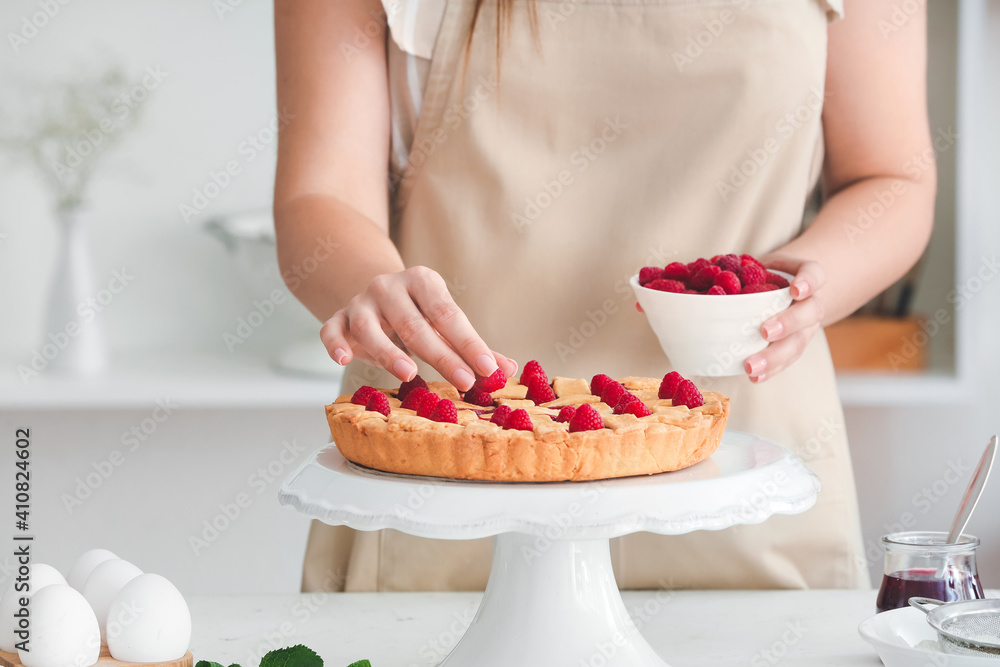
{"type": "Point", "coordinates": [532, 429]}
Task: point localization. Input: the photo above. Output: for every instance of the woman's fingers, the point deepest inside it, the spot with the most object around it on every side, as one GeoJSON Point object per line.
{"type": "Point", "coordinates": [417, 334]}
{"type": "Point", "coordinates": [808, 276]}
{"type": "Point", "coordinates": [366, 329]}
{"type": "Point", "coordinates": [780, 355]}
{"type": "Point", "coordinates": [333, 334]}
{"type": "Point", "coordinates": [798, 316]}
{"type": "Point", "coordinates": [431, 294]}
{"type": "Point", "coordinates": [508, 365]}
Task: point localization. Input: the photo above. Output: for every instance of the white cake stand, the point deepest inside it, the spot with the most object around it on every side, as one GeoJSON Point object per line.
{"type": "Point", "coordinates": [552, 597]}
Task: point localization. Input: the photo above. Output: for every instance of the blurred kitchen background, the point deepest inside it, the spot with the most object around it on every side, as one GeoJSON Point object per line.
{"type": "Point", "coordinates": [206, 379]}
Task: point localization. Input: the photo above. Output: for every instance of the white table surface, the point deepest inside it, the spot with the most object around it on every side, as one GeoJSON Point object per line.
{"type": "Point", "coordinates": [711, 628]}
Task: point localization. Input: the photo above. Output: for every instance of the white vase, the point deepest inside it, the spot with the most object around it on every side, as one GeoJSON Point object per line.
{"type": "Point", "coordinates": [74, 341]}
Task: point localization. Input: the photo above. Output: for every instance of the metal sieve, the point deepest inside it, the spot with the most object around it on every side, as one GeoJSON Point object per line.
{"type": "Point", "coordinates": [969, 627]}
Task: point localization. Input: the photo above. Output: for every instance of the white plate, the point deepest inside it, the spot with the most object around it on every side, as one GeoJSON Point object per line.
{"type": "Point", "coordinates": [896, 634]}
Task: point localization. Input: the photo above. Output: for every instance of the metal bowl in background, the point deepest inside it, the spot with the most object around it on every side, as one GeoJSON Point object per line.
{"type": "Point", "coordinates": [249, 238]}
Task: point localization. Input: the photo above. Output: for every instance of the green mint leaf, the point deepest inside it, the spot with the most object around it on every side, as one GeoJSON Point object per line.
{"type": "Point", "coordinates": [206, 663]}
{"type": "Point", "coordinates": [292, 656]}
{"type": "Point", "coordinates": [360, 663]}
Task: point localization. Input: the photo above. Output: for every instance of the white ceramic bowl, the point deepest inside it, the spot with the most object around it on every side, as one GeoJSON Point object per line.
{"type": "Point", "coordinates": [710, 335]}
{"type": "Point", "coordinates": [903, 638]}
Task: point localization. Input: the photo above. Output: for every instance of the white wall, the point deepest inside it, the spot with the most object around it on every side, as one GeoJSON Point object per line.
{"type": "Point", "coordinates": [220, 89]}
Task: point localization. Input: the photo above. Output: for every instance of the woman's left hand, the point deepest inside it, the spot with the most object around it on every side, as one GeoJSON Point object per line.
{"type": "Point", "coordinates": [790, 331]}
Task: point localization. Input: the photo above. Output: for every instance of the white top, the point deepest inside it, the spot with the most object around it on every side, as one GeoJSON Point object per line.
{"type": "Point", "coordinates": [414, 24]}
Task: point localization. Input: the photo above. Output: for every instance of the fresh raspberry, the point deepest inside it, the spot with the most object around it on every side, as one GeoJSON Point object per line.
{"type": "Point", "coordinates": [728, 281]}
{"type": "Point", "coordinates": [730, 263]}
{"type": "Point", "coordinates": [669, 384]}
{"type": "Point", "coordinates": [648, 274]}
{"type": "Point", "coordinates": [716, 290]}
{"type": "Point", "coordinates": [533, 369]}
{"type": "Point", "coordinates": [427, 404]}
{"type": "Point", "coordinates": [598, 383]}
{"type": "Point", "coordinates": [363, 395]}
{"type": "Point", "coordinates": [775, 279]}
{"type": "Point", "coordinates": [698, 264]}
{"type": "Point", "coordinates": [477, 396]}
{"type": "Point", "coordinates": [688, 394]}
{"type": "Point", "coordinates": [500, 414]}
{"type": "Point", "coordinates": [412, 400]}
{"type": "Point", "coordinates": [750, 259]}
{"type": "Point", "coordinates": [753, 289]}
{"type": "Point", "coordinates": [752, 274]}
{"type": "Point", "coordinates": [692, 291]}
{"type": "Point", "coordinates": [407, 387]}
{"type": "Point", "coordinates": [662, 285]}
{"type": "Point", "coordinates": [715, 259]}
{"type": "Point", "coordinates": [623, 402]}
{"type": "Point", "coordinates": [379, 402]}
{"type": "Point", "coordinates": [586, 419]}
{"type": "Point", "coordinates": [677, 271]}
{"type": "Point", "coordinates": [636, 407]}
{"type": "Point", "coordinates": [705, 278]}
{"type": "Point", "coordinates": [445, 411]}
{"type": "Point", "coordinates": [566, 413]}
{"type": "Point", "coordinates": [498, 380]}
{"type": "Point", "coordinates": [612, 393]}
{"type": "Point", "coordinates": [539, 390]}
{"type": "Point", "coordinates": [519, 420]}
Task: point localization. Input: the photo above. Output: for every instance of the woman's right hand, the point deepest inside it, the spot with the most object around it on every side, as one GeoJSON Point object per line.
{"type": "Point", "coordinates": [413, 311]}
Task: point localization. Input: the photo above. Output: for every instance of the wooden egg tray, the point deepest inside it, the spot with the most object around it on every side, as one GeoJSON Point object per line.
{"type": "Point", "coordinates": [105, 660]}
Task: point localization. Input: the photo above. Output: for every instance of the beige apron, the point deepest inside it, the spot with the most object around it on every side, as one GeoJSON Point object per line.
{"type": "Point", "coordinates": [641, 132]}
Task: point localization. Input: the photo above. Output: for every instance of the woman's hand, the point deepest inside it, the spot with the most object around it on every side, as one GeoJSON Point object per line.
{"type": "Point", "coordinates": [791, 330]}
{"type": "Point", "coordinates": [411, 310]}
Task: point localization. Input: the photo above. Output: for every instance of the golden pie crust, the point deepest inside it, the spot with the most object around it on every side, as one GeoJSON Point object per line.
{"type": "Point", "coordinates": [672, 438]}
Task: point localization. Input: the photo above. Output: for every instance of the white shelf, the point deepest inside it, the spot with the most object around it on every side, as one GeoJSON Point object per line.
{"type": "Point", "coordinates": [198, 381]}
{"type": "Point", "coordinates": [859, 390]}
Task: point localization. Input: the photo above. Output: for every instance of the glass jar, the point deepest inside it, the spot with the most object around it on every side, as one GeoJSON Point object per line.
{"type": "Point", "coordinates": [920, 564]}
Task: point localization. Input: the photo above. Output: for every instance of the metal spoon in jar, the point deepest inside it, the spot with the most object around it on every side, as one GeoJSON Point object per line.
{"type": "Point", "coordinates": [971, 497]}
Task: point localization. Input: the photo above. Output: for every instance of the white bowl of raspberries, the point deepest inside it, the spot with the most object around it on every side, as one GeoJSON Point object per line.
{"type": "Point", "coordinates": [707, 313]}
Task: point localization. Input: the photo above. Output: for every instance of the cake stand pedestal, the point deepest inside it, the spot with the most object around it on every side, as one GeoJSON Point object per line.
{"type": "Point", "coordinates": [552, 597]}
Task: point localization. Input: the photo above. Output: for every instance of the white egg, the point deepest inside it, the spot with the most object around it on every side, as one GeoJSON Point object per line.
{"type": "Point", "coordinates": [103, 585]}
{"type": "Point", "coordinates": [64, 630]}
{"type": "Point", "coordinates": [40, 575]}
{"type": "Point", "coordinates": [148, 621]}
{"type": "Point", "coordinates": [84, 565]}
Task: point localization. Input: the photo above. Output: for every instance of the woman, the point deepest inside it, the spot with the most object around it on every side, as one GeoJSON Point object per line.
{"type": "Point", "coordinates": [494, 171]}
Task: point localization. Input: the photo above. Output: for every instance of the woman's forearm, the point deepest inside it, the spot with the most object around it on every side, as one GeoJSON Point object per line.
{"type": "Point", "coordinates": [866, 237]}
{"type": "Point", "coordinates": [329, 252]}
